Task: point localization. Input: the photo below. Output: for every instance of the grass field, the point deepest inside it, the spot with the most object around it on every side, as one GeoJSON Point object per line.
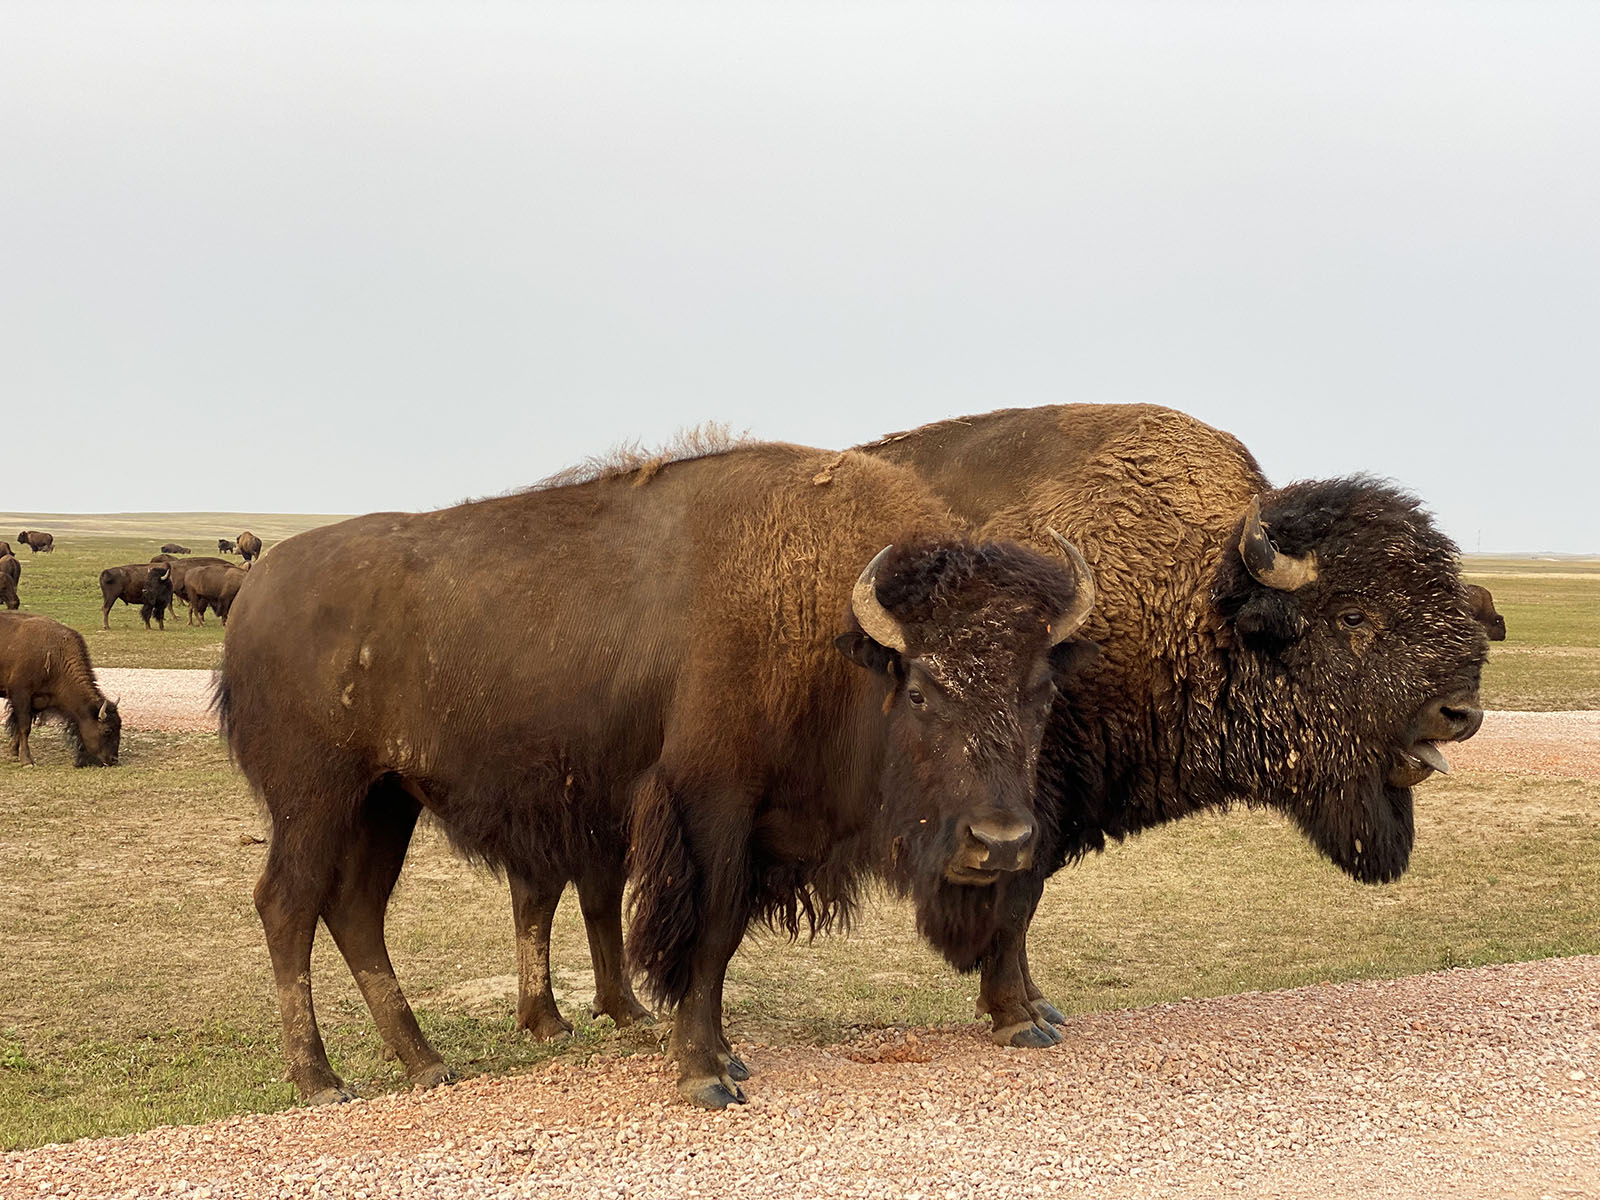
{"type": "Point", "coordinates": [135, 988]}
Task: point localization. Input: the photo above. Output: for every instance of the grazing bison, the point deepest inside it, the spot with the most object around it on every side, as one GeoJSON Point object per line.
{"type": "Point", "coordinates": [149, 585]}
{"type": "Point", "coordinates": [248, 545]}
{"type": "Point", "coordinates": [44, 667]}
{"type": "Point", "coordinates": [224, 546]}
{"type": "Point", "coordinates": [1308, 648]}
{"type": "Point", "coordinates": [212, 586]}
{"type": "Point", "coordinates": [757, 685]}
{"type": "Point", "coordinates": [174, 548]}
{"type": "Point", "coordinates": [180, 568]}
{"type": "Point", "coordinates": [1482, 605]}
{"type": "Point", "coordinates": [10, 577]}
{"type": "Point", "coordinates": [5, 547]}
{"type": "Point", "coordinates": [37, 542]}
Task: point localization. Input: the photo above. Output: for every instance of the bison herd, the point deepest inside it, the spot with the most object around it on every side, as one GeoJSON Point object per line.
{"type": "Point", "coordinates": [749, 680]}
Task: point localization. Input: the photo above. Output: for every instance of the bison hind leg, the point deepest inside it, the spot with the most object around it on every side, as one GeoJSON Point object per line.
{"type": "Point", "coordinates": [533, 908]}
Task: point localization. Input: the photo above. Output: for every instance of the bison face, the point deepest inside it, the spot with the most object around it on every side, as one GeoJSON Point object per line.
{"type": "Point", "coordinates": [100, 737]}
{"type": "Point", "coordinates": [1351, 661]}
{"type": "Point", "coordinates": [968, 640]}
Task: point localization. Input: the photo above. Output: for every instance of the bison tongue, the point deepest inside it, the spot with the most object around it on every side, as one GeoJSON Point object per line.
{"type": "Point", "coordinates": [1429, 754]}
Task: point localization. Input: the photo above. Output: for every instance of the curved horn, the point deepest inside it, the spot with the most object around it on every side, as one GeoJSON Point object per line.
{"type": "Point", "coordinates": [875, 620]}
{"type": "Point", "coordinates": [1068, 622]}
{"type": "Point", "coordinates": [101, 715]}
{"type": "Point", "coordinates": [1268, 564]}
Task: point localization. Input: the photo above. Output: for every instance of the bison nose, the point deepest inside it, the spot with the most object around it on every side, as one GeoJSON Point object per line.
{"type": "Point", "coordinates": [1456, 720]}
{"type": "Point", "coordinates": [999, 845]}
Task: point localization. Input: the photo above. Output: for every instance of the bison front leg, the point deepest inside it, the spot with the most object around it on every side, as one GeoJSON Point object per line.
{"type": "Point", "coordinates": [600, 895]}
{"type": "Point", "coordinates": [532, 910]}
{"type": "Point", "coordinates": [21, 718]}
{"type": "Point", "coordinates": [1041, 1006]}
{"type": "Point", "coordinates": [1004, 988]}
{"type": "Point", "coordinates": [709, 1073]}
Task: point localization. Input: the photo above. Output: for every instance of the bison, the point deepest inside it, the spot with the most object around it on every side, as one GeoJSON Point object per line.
{"type": "Point", "coordinates": [180, 569]}
{"type": "Point", "coordinates": [224, 546]}
{"type": "Point", "coordinates": [174, 548]}
{"type": "Point", "coordinates": [1307, 648]}
{"type": "Point", "coordinates": [44, 667]}
{"type": "Point", "coordinates": [212, 586]}
{"type": "Point", "coordinates": [1482, 605]}
{"type": "Point", "coordinates": [10, 577]}
{"type": "Point", "coordinates": [149, 585]}
{"type": "Point", "coordinates": [5, 547]}
{"type": "Point", "coordinates": [754, 685]}
{"type": "Point", "coordinates": [248, 545]}
{"type": "Point", "coordinates": [37, 542]}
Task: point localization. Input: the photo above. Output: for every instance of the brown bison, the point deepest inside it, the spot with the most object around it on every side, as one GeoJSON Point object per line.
{"type": "Point", "coordinates": [10, 577]}
{"type": "Point", "coordinates": [44, 667]}
{"type": "Point", "coordinates": [224, 546]}
{"type": "Point", "coordinates": [180, 568]}
{"type": "Point", "coordinates": [1309, 648]}
{"type": "Point", "coordinates": [756, 685]}
{"type": "Point", "coordinates": [1482, 605]}
{"type": "Point", "coordinates": [37, 542]}
{"type": "Point", "coordinates": [148, 585]}
{"type": "Point", "coordinates": [5, 547]}
{"type": "Point", "coordinates": [212, 586]}
{"type": "Point", "coordinates": [174, 548]}
{"type": "Point", "coordinates": [248, 545]}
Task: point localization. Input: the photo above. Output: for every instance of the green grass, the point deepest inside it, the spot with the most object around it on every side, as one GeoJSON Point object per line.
{"type": "Point", "coordinates": [65, 584]}
{"type": "Point", "coordinates": [135, 988]}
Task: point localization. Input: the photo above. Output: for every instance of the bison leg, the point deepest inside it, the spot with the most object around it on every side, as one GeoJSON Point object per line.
{"type": "Point", "coordinates": [21, 718]}
{"type": "Point", "coordinates": [600, 895]}
{"type": "Point", "coordinates": [105, 614]}
{"type": "Point", "coordinates": [354, 915]}
{"type": "Point", "coordinates": [698, 1044]}
{"type": "Point", "coordinates": [1041, 1007]}
{"type": "Point", "coordinates": [532, 910]}
{"type": "Point", "coordinates": [1003, 994]}
{"type": "Point", "coordinates": [288, 898]}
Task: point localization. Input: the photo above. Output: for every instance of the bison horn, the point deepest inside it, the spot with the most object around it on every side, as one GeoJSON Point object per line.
{"type": "Point", "coordinates": [875, 620]}
{"type": "Point", "coordinates": [1268, 564]}
{"type": "Point", "coordinates": [101, 715]}
{"type": "Point", "coordinates": [1067, 623]}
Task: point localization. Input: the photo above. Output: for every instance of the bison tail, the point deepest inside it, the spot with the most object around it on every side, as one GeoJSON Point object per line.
{"type": "Point", "coordinates": [222, 704]}
{"type": "Point", "coordinates": [664, 918]}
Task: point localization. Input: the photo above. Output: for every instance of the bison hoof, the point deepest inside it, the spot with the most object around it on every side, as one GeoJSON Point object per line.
{"type": "Point", "coordinates": [735, 1069]}
{"type": "Point", "coordinates": [1025, 1036]}
{"type": "Point", "coordinates": [711, 1093]}
{"type": "Point", "coordinates": [1048, 1012]}
{"type": "Point", "coordinates": [337, 1094]}
{"type": "Point", "coordinates": [623, 1013]}
{"type": "Point", "coordinates": [547, 1027]}
{"type": "Point", "coordinates": [433, 1076]}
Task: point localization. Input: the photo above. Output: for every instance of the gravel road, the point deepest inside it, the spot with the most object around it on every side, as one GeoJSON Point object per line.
{"type": "Point", "coordinates": [1467, 1083]}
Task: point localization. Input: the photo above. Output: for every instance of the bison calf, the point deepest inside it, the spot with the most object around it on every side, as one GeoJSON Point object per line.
{"type": "Point", "coordinates": [44, 667]}
{"type": "Point", "coordinates": [758, 675]}
{"type": "Point", "coordinates": [149, 585]}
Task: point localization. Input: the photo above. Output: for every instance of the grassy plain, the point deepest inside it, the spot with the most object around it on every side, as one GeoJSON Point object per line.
{"type": "Point", "coordinates": [135, 988]}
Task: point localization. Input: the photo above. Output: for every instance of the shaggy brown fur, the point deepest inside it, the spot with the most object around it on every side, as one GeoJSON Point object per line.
{"type": "Point", "coordinates": [1212, 688]}
{"type": "Point", "coordinates": [213, 586]}
{"type": "Point", "coordinates": [44, 667]}
{"type": "Point", "coordinates": [248, 545]}
{"type": "Point", "coordinates": [668, 663]}
{"type": "Point", "coordinates": [181, 567]}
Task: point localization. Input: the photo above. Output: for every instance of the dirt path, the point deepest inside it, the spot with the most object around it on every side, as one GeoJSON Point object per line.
{"type": "Point", "coordinates": [1468, 1083]}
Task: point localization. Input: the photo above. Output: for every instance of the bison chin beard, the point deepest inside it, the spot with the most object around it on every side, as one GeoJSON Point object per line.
{"type": "Point", "coordinates": [963, 922]}
{"type": "Point", "coordinates": [1367, 832]}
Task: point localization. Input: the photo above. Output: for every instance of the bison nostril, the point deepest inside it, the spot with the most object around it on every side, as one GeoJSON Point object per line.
{"type": "Point", "coordinates": [1001, 840]}
{"type": "Point", "coordinates": [1462, 719]}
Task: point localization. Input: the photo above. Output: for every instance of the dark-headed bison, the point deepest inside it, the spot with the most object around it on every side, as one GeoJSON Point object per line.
{"type": "Point", "coordinates": [36, 542]}
{"type": "Point", "coordinates": [147, 585]}
{"type": "Point", "coordinates": [758, 685]}
{"type": "Point", "coordinates": [174, 548]}
{"type": "Point", "coordinates": [44, 667]}
{"type": "Point", "coordinates": [1482, 604]}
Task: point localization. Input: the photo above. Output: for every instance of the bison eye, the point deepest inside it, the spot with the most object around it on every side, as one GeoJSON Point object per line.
{"type": "Point", "coordinates": [1352, 618]}
{"type": "Point", "coordinates": [918, 700]}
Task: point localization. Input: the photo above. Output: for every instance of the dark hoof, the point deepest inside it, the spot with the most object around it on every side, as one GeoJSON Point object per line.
{"type": "Point", "coordinates": [433, 1076]}
{"type": "Point", "coordinates": [545, 1028]}
{"type": "Point", "coordinates": [1049, 1012]}
{"type": "Point", "coordinates": [623, 1015]}
{"type": "Point", "coordinates": [1050, 1031]}
{"type": "Point", "coordinates": [736, 1070]}
{"type": "Point", "coordinates": [338, 1094]}
{"type": "Point", "coordinates": [1031, 1037]}
{"type": "Point", "coordinates": [713, 1093]}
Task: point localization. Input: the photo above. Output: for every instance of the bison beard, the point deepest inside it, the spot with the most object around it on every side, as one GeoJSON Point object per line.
{"type": "Point", "coordinates": [680, 680]}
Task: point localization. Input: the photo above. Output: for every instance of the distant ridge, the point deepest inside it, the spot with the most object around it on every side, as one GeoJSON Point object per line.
{"type": "Point", "coordinates": [192, 528]}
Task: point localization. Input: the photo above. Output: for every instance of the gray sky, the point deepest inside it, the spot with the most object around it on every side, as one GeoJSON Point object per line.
{"type": "Point", "coordinates": [342, 257]}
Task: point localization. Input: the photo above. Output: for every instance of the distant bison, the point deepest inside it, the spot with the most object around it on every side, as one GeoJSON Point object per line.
{"type": "Point", "coordinates": [224, 546]}
{"type": "Point", "coordinates": [248, 545]}
{"type": "Point", "coordinates": [174, 548]}
{"type": "Point", "coordinates": [180, 568]}
{"type": "Point", "coordinates": [214, 587]}
{"type": "Point", "coordinates": [44, 667]}
{"type": "Point", "coordinates": [10, 574]}
{"type": "Point", "coordinates": [760, 674]}
{"type": "Point", "coordinates": [37, 542]}
{"type": "Point", "coordinates": [148, 585]}
{"type": "Point", "coordinates": [5, 547]}
{"type": "Point", "coordinates": [1482, 604]}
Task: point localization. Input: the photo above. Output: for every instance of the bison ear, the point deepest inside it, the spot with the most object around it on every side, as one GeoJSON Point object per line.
{"type": "Point", "coordinates": [1269, 620]}
{"type": "Point", "coordinates": [864, 652]}
{"type": "Point", "coordinates": [1069, 657]}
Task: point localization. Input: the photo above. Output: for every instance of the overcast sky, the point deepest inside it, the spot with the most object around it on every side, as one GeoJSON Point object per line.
{"type": "Point", "coordinates": [342, 257]}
